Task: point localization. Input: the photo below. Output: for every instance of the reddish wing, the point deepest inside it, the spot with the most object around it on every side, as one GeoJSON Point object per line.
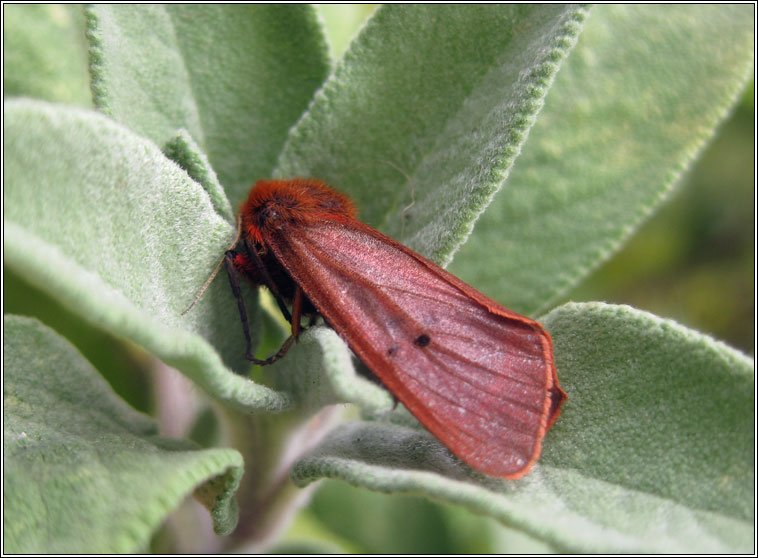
{"type": "Point", "coordinates": [479, 377]}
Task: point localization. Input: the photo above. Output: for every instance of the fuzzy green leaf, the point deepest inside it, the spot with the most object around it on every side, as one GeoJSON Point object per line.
{"type": "Point", "coordinates": [440, 102]}
{"type": "Point", "coordinates": [425, 114]}
{"type": "Point", "coordinates": [99, 218]}
{"type": "Point", "coordinates": [83, 472]}
{"type": "Point", "coordinates": [671, 404]}
{"type": "Point", "coordinates": [183, 150]}
{"type": "Point", "coordinates": [235, 77]}
{"type": "Point", "coordinates": [652, 453]}
{"type": "Point", "coordinates": [320, 370]}
{"type": "Point", "coordinates": [45, 53]}
{"type": "Point", "coordinates": [631, 107]}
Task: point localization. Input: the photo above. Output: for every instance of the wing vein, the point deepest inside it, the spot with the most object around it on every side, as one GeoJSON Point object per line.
{"type": "Point", "coordinates": [388, 301]}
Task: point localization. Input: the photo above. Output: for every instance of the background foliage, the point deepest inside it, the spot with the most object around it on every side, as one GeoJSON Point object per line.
{"type": "Point", "coordinates": [693, 262]}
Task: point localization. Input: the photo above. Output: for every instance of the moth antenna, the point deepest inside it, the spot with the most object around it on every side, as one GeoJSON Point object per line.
{"type": "Point", "coordinates": [207, 284]}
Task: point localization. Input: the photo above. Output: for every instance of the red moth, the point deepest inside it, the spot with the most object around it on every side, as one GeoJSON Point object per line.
{"type": "Point", "coordinates": [481, 378]}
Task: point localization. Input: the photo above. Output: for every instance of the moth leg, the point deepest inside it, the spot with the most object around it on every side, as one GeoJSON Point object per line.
{"type": "Point", "coordinates": [267, 280]}
{"type": "Point", "coordinates": [231, 272]}
{"type": "Point", "coordinates": [297, 312]}
{"type": "Point", "coordinates": [273, 358]}
{"type": "Point", "coordinates": [297, 308]}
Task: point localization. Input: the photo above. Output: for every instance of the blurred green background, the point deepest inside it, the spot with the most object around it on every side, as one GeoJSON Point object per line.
{"type": "Point", "coordinates": [693, 262]}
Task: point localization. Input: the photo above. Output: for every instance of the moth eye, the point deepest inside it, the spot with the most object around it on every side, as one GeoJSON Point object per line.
{"type": "Point", "coordinates": [266, 214]}
{"type": "Point", "coordinates": [422, 340]}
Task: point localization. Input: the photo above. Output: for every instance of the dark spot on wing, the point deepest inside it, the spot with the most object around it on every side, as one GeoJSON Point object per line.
{"type": "Point", "coordinates": [422, 340]}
